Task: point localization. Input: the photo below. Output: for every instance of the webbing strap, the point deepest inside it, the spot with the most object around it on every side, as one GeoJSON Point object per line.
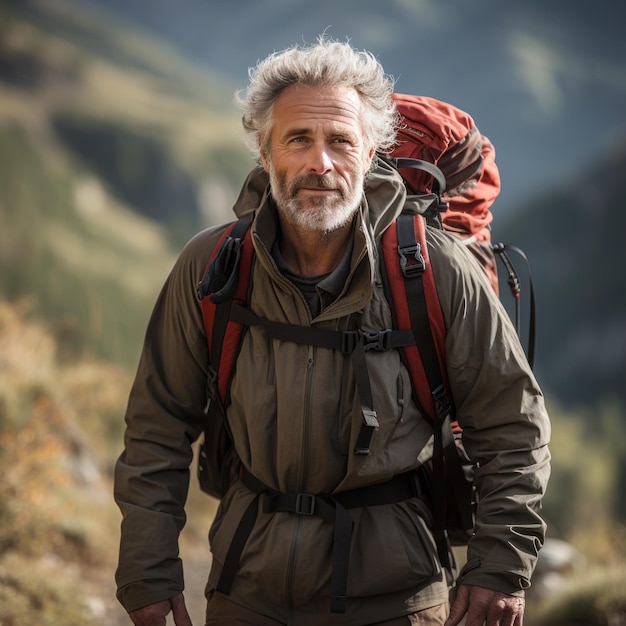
{"type": "Point", "coordinates": [231, 562]}
{"type": "Point", "coordinates": [331, 511]}
{"type": "Point", "coordinates": [222, 309]}
{"type": "Point", "coordinates": [330, 508]}
{"type": "Point", "coordinates": [226, 274]}
{"type": "Point", "coordinates": [225, 280]}
{"type": "Point", "coordinates": [418, 309]}
{"type": "Point", "coordinates": [341, 560]}
{"type": "Point", "coordinates": [345, 341]}
{"type": "Point", "coordinates": [369, 421]}
{"type": "Point", "coordinates": [430, 168]}
{"type": "Point", "coordinates": [353, 342]}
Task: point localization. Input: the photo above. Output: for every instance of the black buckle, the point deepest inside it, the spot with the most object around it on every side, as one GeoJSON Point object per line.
{"type": "Point", "coordinates": [305, 504]}
{"type": "Point", "coordinates": [375, 340]}
{"type": "Point", "coordinates": [411, 253]}
{"type": "Point", "coordinates": [349, 340]}
{"type": "Point", "coordinates": [372, 340]}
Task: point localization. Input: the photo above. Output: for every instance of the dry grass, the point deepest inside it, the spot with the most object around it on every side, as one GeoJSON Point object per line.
{"type": "Point", "coordinates": [61, 428]}
{"type": "Point", "coordinates": [595, 598]}
{"type": "Point", "coordinates": [58, 537]}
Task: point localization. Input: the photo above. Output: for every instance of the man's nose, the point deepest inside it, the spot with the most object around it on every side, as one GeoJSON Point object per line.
{"type": "Point", "coordinates": [320, 161]}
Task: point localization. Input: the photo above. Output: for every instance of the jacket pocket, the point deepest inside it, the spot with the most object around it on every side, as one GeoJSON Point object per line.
{"type": "Point", "coordinates": [392, 550]}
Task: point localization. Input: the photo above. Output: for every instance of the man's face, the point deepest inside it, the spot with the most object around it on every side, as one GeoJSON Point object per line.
{"type": "Point", "coordinates": [317, 157]}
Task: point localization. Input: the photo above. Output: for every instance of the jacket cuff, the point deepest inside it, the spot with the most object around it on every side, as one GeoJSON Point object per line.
{"type": "Point", "coordinates": [136, 595]}
{"type": "Point", "coordinates": [496, 576]}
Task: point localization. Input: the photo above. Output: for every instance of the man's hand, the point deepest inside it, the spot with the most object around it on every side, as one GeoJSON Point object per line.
{"type": "Point", "coordinates": [155, 614]}
{"type": "Point", "coordinates": [485, 606]}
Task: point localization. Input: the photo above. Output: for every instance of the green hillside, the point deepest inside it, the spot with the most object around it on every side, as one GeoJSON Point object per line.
{"type": "Point", "coordinates": [113, 151]}
{"type": "Point", "coordinates": [100, 130]}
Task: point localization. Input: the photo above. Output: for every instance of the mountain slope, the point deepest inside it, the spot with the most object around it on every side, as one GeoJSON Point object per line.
{"type": "Point", "coordinates": [100, 123]}
{"type": "Point", "coordinates": [113, 151]}
{"type": "Point", "coordinates": [544, 79]}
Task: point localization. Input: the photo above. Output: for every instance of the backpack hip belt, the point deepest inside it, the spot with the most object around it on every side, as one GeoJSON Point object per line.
{"type": "Point", "coordinates": [330, 508]}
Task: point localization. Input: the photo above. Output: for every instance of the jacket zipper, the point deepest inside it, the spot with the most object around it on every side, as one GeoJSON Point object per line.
{"type": "Point", "coordinates": [306, 422]}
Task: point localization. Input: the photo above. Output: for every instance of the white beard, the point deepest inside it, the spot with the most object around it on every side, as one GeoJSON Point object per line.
{"type": "Point", "coordinates": [322, 214]}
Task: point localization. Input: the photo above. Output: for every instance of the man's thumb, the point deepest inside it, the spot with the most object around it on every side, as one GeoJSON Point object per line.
{"type": "Point", "coordinates": [459, 607]}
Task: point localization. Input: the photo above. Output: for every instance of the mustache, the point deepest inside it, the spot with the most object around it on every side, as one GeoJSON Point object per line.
{"type": "Point", "coordinates": [315, 181]}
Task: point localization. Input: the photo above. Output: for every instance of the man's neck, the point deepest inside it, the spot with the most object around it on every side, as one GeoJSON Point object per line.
{"type": "Point", "coordinates": [313, 253]}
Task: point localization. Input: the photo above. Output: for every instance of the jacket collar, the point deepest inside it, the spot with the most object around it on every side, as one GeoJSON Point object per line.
{"type": "Point", "coordinates": [383, 201]}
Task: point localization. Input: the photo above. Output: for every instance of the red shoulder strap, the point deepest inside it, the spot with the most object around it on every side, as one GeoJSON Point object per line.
{"type": "Point", "coordinates": [224, 335]}
{"type": "Point", "coordinates": [232, 337]}
{"type": "Point", "coordinates": [208, 306]}
{"type": "Point", "coordinates": [409, 271]}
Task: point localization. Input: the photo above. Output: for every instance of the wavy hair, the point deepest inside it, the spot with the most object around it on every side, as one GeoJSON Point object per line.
{"type": "Point", "coordinates": [326, 63]}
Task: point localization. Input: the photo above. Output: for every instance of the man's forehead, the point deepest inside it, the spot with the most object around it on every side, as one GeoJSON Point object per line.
{"type": "Point", "coordinates": [337, 104]}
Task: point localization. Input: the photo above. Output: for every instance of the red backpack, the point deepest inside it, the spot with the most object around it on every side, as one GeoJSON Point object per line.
{"type": "Point", "coordinates": [439, 133]}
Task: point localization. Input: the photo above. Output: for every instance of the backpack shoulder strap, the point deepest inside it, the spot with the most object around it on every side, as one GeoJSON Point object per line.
{"type": "Point", "coordinates": [226, 278]}
{"type": "Point", "coordinates": [411, 289]}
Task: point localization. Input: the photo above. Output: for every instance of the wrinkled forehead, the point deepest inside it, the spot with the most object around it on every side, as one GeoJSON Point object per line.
{"type": "Point", "coordinates": [305, 105]}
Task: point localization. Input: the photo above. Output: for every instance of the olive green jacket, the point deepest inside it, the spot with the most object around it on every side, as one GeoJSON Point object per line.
{"type": "Point", "coordinates": [295, 415]}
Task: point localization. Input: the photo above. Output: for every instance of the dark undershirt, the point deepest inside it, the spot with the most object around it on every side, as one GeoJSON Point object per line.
{"type": "Point", "coordinates": [318, 291]}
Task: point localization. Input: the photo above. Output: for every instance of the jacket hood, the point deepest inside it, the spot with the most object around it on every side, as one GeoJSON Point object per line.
{"type": "Point", "coordinates": [386, 195]}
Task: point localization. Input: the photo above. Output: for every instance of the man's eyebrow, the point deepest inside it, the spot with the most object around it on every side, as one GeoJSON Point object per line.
{"type": "Point", "coordinates": [294, 132]}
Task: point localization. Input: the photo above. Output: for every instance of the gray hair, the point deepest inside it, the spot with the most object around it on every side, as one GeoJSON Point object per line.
{"type": "Point", "coordinates": [326, 63]}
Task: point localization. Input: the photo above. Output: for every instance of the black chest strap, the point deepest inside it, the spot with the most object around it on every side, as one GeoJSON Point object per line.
{"type": "Point", "coordinates": [354, 343]}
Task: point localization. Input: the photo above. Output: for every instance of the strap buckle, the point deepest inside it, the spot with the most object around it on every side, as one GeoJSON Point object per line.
{"type": "Point", "coordinates": [412, 262]}
{"type": "Point", "coordinates": [305, 504]}
{"type": "Point", "coordinates": [372, 340]}
{"type": "Point", "coordinates": [375, 340]}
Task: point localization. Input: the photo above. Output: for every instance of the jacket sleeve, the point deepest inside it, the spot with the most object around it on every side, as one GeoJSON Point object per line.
{"type": "Point", "coordinates": [164, 417]}
{"type": "Point", "coordinates": [506, 428]}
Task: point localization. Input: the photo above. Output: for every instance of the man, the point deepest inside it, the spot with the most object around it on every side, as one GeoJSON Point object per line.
{"type": "Point", "coordinates": [317, 117]}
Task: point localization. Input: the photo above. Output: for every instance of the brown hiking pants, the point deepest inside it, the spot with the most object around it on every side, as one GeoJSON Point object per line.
{"type": "Point", "coordinates": [223, 612]}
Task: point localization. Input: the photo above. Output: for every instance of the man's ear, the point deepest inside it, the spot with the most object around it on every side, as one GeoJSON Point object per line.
{"type": "Point", "coordinates": [264, 160]}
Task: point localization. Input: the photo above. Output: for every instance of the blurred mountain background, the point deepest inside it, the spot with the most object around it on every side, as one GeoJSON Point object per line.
{"type": "Point", "coordinates": [119, 140]}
